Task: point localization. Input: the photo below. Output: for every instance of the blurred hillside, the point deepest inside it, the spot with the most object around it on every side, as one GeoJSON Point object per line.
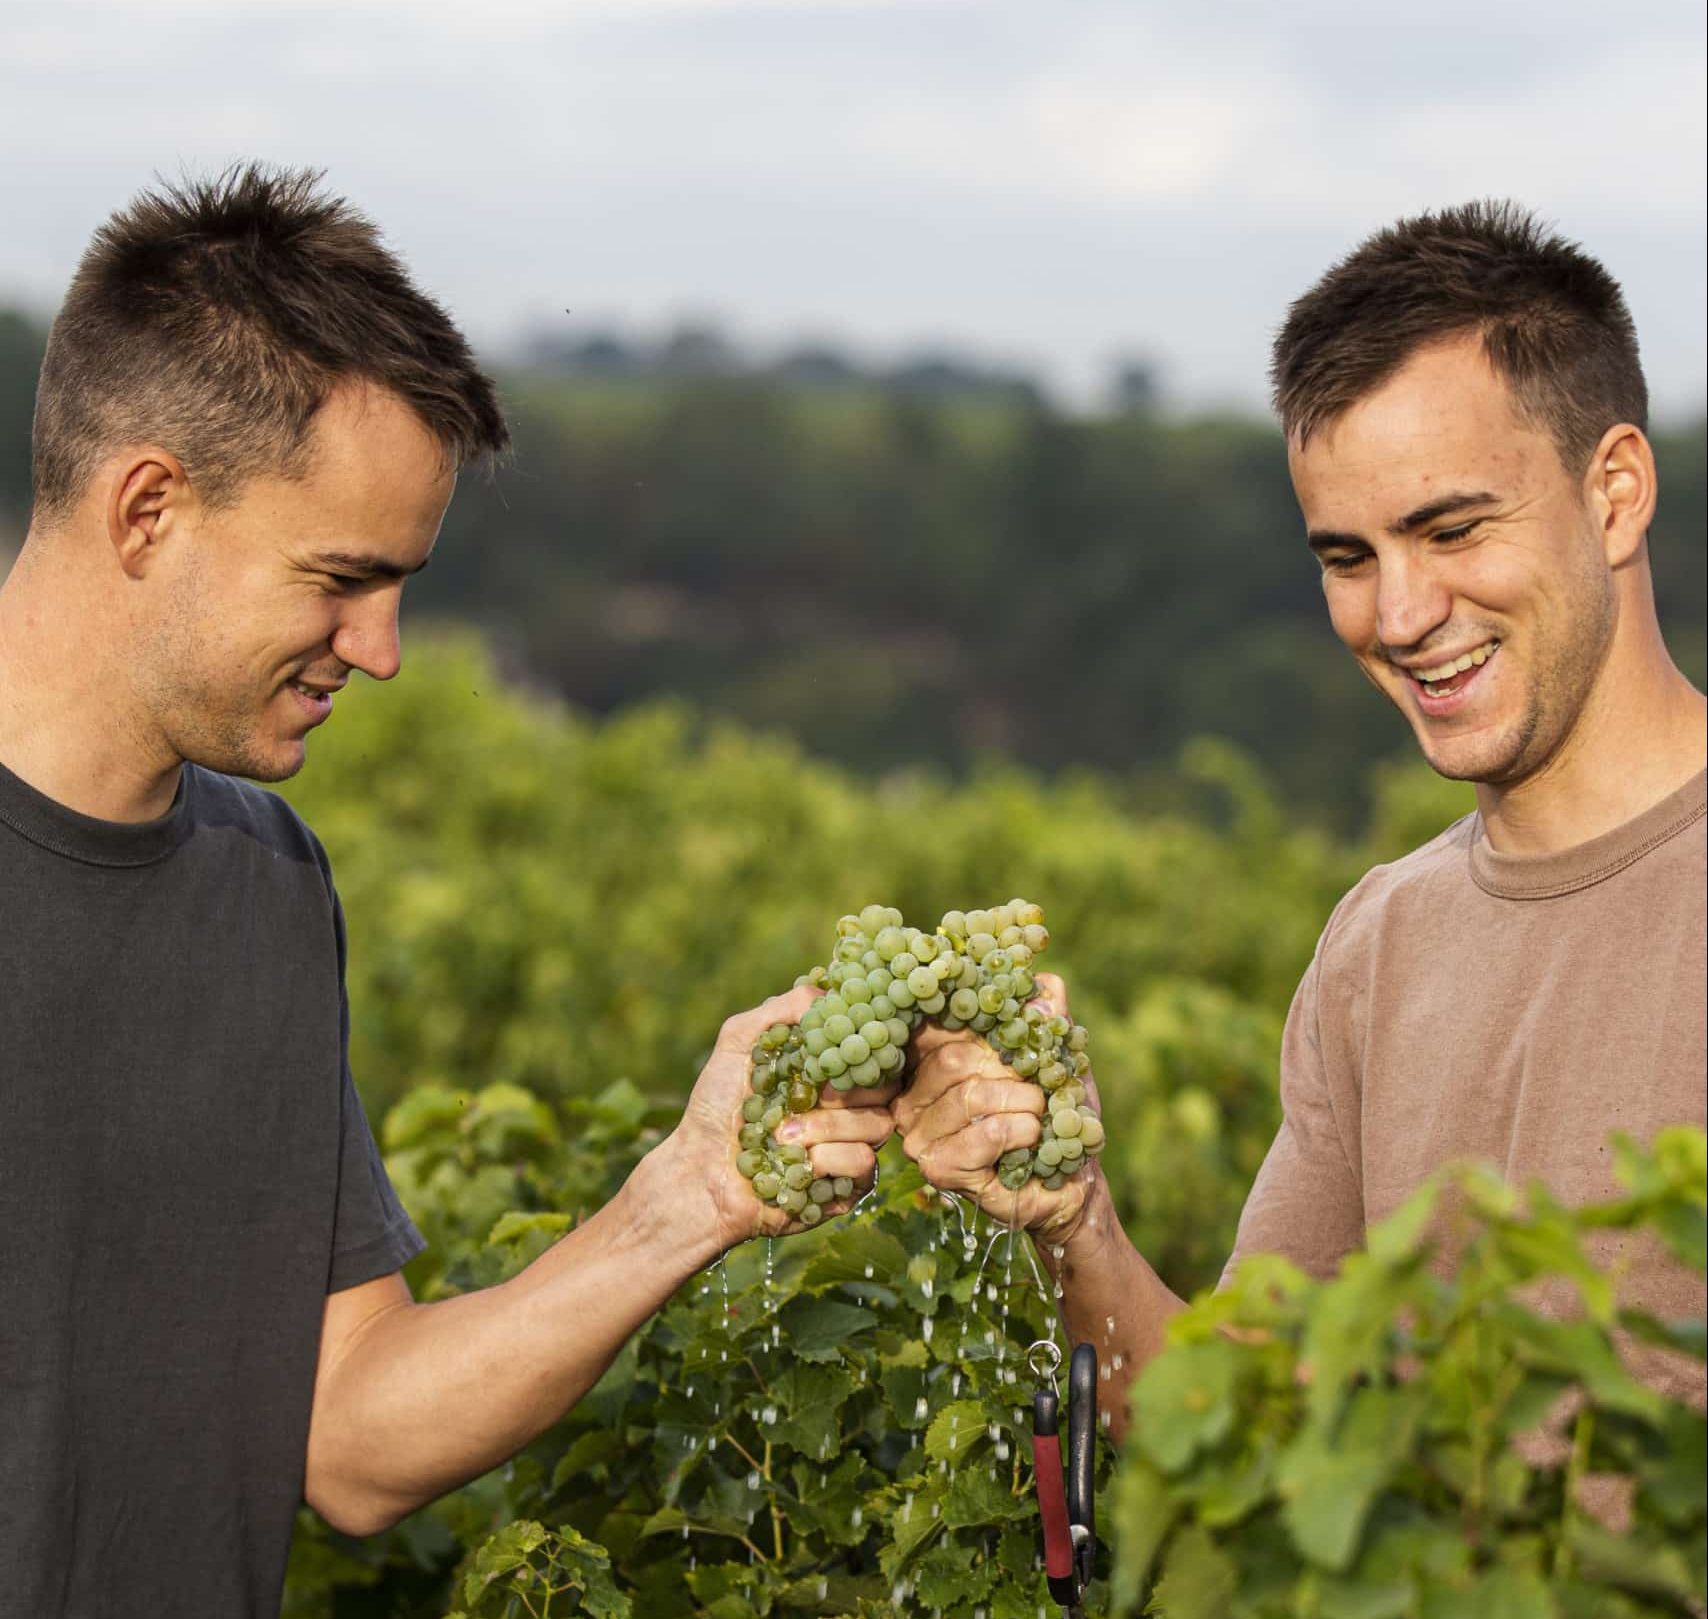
{"type": "Point", "coordinates": [922, 564]}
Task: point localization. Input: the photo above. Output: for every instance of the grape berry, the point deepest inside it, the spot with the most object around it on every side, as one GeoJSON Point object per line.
{"type": "Point", "coordinates": [883, 981]}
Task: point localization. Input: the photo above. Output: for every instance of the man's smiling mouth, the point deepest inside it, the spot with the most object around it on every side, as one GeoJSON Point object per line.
{"type": "Point", "coordinates": [1443, 679]}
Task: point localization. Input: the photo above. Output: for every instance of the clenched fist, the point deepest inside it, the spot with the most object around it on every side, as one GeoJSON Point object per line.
{"type": "Point", "coordinates": [964, 1109]}
{"type": "Point", "coordinates": [839, 1137]}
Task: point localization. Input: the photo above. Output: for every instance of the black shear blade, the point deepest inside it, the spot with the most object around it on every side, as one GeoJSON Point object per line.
{"type": "Point", "coordinates": [1082, 1458]}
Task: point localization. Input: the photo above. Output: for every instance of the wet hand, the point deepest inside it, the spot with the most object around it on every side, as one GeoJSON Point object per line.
{"type": "Point", "coordinates": [965, 1108]}
{"type": "Point", "coordinates": [840, 1136]}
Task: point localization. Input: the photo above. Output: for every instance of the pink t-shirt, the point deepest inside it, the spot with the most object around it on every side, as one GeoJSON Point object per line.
{"type": "Point", "coordinates": [1468, 1004]}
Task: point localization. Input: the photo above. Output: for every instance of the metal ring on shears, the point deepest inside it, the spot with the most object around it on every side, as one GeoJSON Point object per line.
{"type": "Point", "coordinates": [1066, 1508]}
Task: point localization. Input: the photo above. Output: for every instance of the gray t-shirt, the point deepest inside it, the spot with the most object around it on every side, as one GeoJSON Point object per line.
{"type": "Point", "coordinates": [185, 1173]}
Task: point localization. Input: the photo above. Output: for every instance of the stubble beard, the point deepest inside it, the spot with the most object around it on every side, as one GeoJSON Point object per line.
{"type": "Point", "coordinates": [208, 729]}
{"type": "Point", "coordinates": [1566, 669]}
{"type": "Point", "coordinates": [207, 719]}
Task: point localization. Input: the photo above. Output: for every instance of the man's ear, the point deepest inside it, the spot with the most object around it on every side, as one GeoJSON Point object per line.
{"type": "Point", "coordinates": [148, 498]}
{"type": "Point", "coordinates": [1619, 492]}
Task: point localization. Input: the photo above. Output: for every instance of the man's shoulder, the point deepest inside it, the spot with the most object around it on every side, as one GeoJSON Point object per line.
{"type": "Point", "coordinates": [232, 805]}
{"type": "Point", "coordinates": [1432, 874]}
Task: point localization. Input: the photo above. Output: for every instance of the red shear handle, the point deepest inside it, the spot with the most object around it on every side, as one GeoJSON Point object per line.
{"type": "Point", "coordinates": [1052, 1506]}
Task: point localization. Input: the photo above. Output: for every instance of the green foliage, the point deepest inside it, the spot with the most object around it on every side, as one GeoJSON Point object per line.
{"type": "Point", "coordinates": [540, 911]}
{"type": "Point", "coordinates": [535, 898]}
{"type": "Point", "coordinates": [1376, 1447]}
{"type": "Point", "coordinates": [834, 1425]}
{"type": "Point", "coordinates": [540, 901]}
{"type": "Point", "coordinates": [527, 1569]}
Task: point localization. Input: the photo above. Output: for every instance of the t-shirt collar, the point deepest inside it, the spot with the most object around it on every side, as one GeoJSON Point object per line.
{"type": "Point", "coordinates": [68, 832]}
{"type": "Point", "coordinates": [1545, 876]}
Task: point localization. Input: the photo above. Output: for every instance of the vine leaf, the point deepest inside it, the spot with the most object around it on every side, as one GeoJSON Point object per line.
{"type": "Point", "coordinates": [1330, 1480]}
{"type": "Point", "coordinates": [955, 1431]}
{"type": "Point", "coordinates": [1184, 1401]}
{"type": "Point", "coordinates": [819, 1329]}
{"type": "Point", "coordinates": [861, 1253]}
{"type": "Point", "coordinates": [1199, 1580]}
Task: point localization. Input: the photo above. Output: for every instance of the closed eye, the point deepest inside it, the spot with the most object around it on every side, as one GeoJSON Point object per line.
{"type": "Point", "coordinates": [1459, 533]}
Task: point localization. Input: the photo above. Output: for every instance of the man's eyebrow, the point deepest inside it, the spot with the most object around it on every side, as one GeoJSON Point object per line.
{"type": "Point", "coordinates": [1320, 539]}
{"type": "Point", "coordinates": [1445, 506]}
{"type": "Point", "coordinates": [369, 567]}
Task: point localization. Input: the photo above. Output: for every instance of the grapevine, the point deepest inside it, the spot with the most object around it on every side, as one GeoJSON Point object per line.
{"type": "Point", "coordinates": [883, 981]}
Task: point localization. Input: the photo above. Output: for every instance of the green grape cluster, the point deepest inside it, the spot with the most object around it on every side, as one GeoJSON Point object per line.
{"type": "Point", "coordinates": [884, 979]}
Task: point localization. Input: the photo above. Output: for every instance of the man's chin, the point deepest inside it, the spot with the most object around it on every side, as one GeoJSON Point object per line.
{"type": "Point", "coordinates": [1479, 757]}
{"type": "Point", "coordinates": [279, 769]}
{"type": "Point", "coordinates": [276, 763]}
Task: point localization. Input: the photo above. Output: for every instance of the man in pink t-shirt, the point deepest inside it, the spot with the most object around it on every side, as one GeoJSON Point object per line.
{"type": "Point", "coordinates": [1464, 410]}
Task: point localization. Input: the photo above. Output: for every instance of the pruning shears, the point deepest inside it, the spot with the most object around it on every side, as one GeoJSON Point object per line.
{"type": "Point", "coordinates": [1070, 1535]}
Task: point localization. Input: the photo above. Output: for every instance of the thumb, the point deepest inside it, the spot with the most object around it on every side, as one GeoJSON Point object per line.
{"type": "Point", "coordinates": [1052, 994]}
{"type": "Point", "coordinates": [740, 1032]}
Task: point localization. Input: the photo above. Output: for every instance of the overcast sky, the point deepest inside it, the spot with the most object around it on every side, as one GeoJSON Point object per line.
{"type": "Point", "coordinates": [1046, 184]}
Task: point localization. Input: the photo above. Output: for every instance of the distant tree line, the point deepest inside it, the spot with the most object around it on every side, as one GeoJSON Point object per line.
{"type": "Point", "coordinates": [699, 349]}
{"type": "Point", "coordinates": [910, 577]}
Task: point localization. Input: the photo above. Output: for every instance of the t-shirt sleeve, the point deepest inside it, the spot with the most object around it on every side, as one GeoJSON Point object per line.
{"type": "Point", "coordinates": [1306, 1203]}
{"type": "Point", "coordinates": [372, 1235]}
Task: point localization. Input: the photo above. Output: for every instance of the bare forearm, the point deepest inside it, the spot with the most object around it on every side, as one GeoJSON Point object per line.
{"type": "Point", "coordinates": [1112, 1299]}
{"type": "Point", "coordinates": [429, 1396]}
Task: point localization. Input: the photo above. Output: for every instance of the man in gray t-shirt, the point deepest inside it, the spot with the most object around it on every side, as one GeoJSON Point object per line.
{"type": "Point", "coordinates": [179, 1124]}
{"type": "Point", "coordinates": [248, 427]}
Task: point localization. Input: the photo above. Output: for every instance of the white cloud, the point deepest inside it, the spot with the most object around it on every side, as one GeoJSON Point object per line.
{"type": "Point", "coordinates": [1146, 122]}
{"type": "Point", "coordinates": [1105, 137]}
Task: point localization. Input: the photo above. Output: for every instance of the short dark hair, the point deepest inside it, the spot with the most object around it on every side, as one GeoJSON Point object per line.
{"type": "Point", "coordinates": [214, 317]}
{"type": "Point", "coordinates": [1553, 323]}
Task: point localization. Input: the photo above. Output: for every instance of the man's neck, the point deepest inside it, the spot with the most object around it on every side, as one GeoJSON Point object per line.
{"type": "Point", "coordinates": [1642, 737]}
{"type": "Point", "coordinates": [66, 727]}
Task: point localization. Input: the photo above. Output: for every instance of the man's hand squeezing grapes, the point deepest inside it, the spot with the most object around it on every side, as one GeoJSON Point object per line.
{"type": "Point", "coordinates": [839, 1138]}
{"type": "Point", "coordinates": [964, 1109]}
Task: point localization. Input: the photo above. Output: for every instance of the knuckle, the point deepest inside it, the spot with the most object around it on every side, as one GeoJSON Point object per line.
{"type": "Point", "coordinates": [965, 1108]}
{"type": "Point", "coordinates": [738, 1024]}
{"type": "Point", "coordinates": [959, 1060]}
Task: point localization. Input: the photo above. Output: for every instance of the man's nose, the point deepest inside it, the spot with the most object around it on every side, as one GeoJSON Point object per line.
{"type": "Point", "coordinates": [368, 638]}
{"type": "Point", "coordinates": [1411, 601]}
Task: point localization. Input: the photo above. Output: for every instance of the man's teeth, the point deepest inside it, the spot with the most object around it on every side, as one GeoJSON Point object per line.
{"type": "Point", "coordinates": [1458, 666]}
